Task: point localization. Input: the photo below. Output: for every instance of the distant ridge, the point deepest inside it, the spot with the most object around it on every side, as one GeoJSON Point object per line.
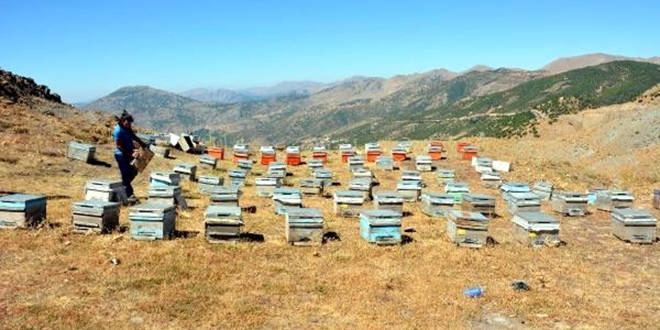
{"type": "Point", "coordinates": [582, 61]}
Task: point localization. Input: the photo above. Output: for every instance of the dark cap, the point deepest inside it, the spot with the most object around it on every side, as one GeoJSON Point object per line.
{"type": "Point", "coordinates": [126, 116]}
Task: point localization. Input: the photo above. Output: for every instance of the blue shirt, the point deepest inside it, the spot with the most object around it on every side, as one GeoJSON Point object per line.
{"type": "Point", "coordinates": [125, 138]}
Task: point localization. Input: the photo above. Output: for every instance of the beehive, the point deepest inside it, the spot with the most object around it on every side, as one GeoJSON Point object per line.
{"type": "Point", "coordinates": [319, 153]}
{"type": "Point", "coordinates": [216, 152]}
{"type": "Point", "coordinates": [536, 229]}
{"type": "Point", "coordinates": [423, 163]}
{"type": "Point", "coordinates": [237, 177]}
{"type": "Point", "coordinates": [268, 155]}
{"type": "Point", "coordinates": [285, 199]}
{"type": "Point", "coordinates": [461, 145]}
{"type": "Point", "coordinates": [611, 200]}
{"type": "Point", "coordinates": [656, 199]}
{"type": "Point", "coordinates": [152, 222]}
{"type": "Point", "coordinates": [293, 155]}
{"type": "Point", "coordinates": [81, 151]}
{"type": "Point", "coordinates": [409, 190]}
{"type": "Point", "coordinates": [186, 143]}
{"type": "Point", "coordinates": [105, 190]}
{"type": "Point", "coordinates": [543, 190]}
{"type": "Point", "coordinates": [469, 229]}
{"type": "Point", "coordinates": [225, 196]}
{"type": "Point", "coordinates": [245, 165]}
{"type": "Point", "coordinates": [411, 176]}
{"type": "Point", "coordinates": [186, 171]}
{"type": "Point", "coordinates": [457, 190]}
{"type": "Point", "coordinates": [469, 152]}
{"type": "Point", "coordinates": [513, 187]}
{"type": "Point", "coordinates": [207, 182]}
{"type": "Point", "coordinates": [208, 161]}
{"type": "Point", "coordinates": [311, 187]}
{"type": "Point", "coordinates": [444, 176]}
{"type": "Point", "coordinates": [346, 151]}
{"type": "Point", "coordinates": [634, 225]}
{"type": "Point", "coordinates": [484, 204]}
{"type": "Point", "coordinates": [363, 185]}
{"type": "Point", "coordinates": [223, 223]}
{"type": "Point", "coordinates": [501, 166]}
{"type": "Point", "coordinates": [355, 162]}
{"type": "Point", "coordinates": [160, 151]}
{"type": "Point", "coordinates": [266, 186]}
{"type": "Point", "coordinates": [304, 226]}
{"type": "Point", "coordinates": [482, 165]}
{"type": "Point", "coordinates": [385, 163]}
{"type": "Point", "coordinates": [364, 173]}
{"type": "Point", "coordinates": [388, 200]}
{"type": "Point", "coordinates": [325, 176]}
{"type": "Point", "coordinates": [167, 195]}
{"type": "Point", "coordinates": [372, 151]}
{"type": "Point", "coordinates": [241, 152]}
{"type": "Point", "coordinates": [382, 227]}
{"type": "Point", "coordinates": [94, 216]}
{"type": "Point", "coordinates": [164, 178]}
{"type": "Point", "coordinates": [491, 180]}
{"type": "Point", "coordinates": [435, 150]}
{"type": "Point", "coordinates": [147, 139]}
{"type": "Point", "coordinates": [570, 203]}
{"type": "Point", "coordinates": [315, 165]}
{"type": "Point", "coordinates": [399, 153]}
{"type": "Point", "coordinates": [22, 211]}
{"type": "Point", "coordinates": [523, 202]}
{"type": "Point", "coordinates": [276, 170]}
{"type": "Point", "coordinates": [593, 193]}
{"type": "Point", "coordinates": [348, 204]}
{"type": "Point", "coordinates": [437, 204]}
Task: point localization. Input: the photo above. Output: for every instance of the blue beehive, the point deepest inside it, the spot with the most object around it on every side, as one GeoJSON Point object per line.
{"type": "Point", "coordinates": [286, 198]}
{"type": "Point", "coordinates": [325, 176]}
{"type": "Point", "coordinates": [514, 187]}
{"type": "Point", "coordinates": [381, 227]}
{"type": "Point", "coordinates": [187, 171]}
{"type": "Point", "coordinates": [225, 196]}
{"type": "Point", "coordinates": [21, 211]}
{"type": "Point", "coordinates": [152, 222]}
{"type": "Point", "coordinates": [385, 163]}
{"type": "Point", "coordinates": [208, 161]}
{"type": "Point", "coordinates": [355, 162]}
{"type": "Point", "coordinates": [164, 178]}
{"type": "Point", "coordinates": [237, 177]}
{"type": "Point", "coordinates": [409, 190]}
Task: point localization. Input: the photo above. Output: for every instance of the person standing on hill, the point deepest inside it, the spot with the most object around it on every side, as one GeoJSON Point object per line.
{"type": "Point", "coordinates": [125, 152]}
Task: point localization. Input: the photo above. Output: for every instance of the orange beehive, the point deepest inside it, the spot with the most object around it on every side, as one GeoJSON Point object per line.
{"type": "Point", "coordinates": [469, 152]}
{"type": "Point", "coordinates": [240, 156]}
{"type": "Point", "coordinates": [322, 156]}
{"type": "Point", "coordinates": [372, 155]}
{"type": "Point", "coordinates": [292, 159]}
{"type": "Point", "coordinates": [399, 155]}
{"type": "Point", "coordinates": [435, 153]}
{"type": "Point", "coordinates": [345, 155]}
{"type": "Point", "coordinates": [460, 145]}
{"type": "Point", "coordinates": [266, 158]}
{"type": "Point", "coordinates": [217, 152]}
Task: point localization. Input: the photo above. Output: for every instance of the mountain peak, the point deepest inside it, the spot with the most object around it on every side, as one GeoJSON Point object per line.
{"type": "Point", "coordinates": [564, 64]}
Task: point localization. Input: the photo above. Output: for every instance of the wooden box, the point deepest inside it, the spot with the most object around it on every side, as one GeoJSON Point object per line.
{"type": "Point", "coordinates": [319, 153]}
{"type": "Point", "coordinates": [409, 190]}
{"type": "Point", "coordinates": [423, 163]}
{"type": "Point", "coordinates": [105, 190]}
{"type": "Point", "coordinates": [611, 200]}
{"type": "Point", "coordinates": [311, 187]}
{"type": "Point", "coordinates": [237, 177]}
{"type": "Point", "coordinates": [152, 222]}
{"type": "Point", "coordinates": [399, 153]}
{"type": "Point", "coordinates": [491, 180]}
{"type": "Point", "coordinates": [437, 204]}
{"type": "Point", "coordinates": [94, 216]}
{"type": "Point", "coordinates": [543, 190]}
{"type": "Point", "coordinates": [22, 211]}
{"type": "Point", "coordinates": [160, 151]}
{"type": "Point", "coordinates": [536, 229]}
{"type": "Point", "coordinates": [266, 186]}
{"type": "Point", "coordinates": [304, 226]}
{"type": "Point", "coordinates": [346, 151]}
{"type": "Point", "coordinates": [325, 176]}
{"type": "Point", "coordinates": [355, 162]}
{"type": "Point", "coordinates": [469, 229]}
{"type": "Point", "coordinates": [207, 182]}
{"type": "Point", "coordinates": [315, 165]}
{"type": "Point", "coordinates": [164, 178]}
{"type": "Point", "coordinates": [169, 196]}
{"type": "Point", "coordinates": [479, 203]}
{"type": "Point", "coordinates": [245, 165]}
{"type": "Point", "coordinates": [363, 185]}
{"type": "Point", "coordinates": [142, 159]}
{"type": "Point", "coordinates": [388, 200]}
{"type": "Point", "coordinates": [444, 175]}
{"type": "Point", "coordinates": [457, 190]}
{"type": "Point", "coordinates": [382, 227]}
{"type": "Point", "coordinates": [225, 196]}
{"type": "Point", "coordinates": [411, 176]}
{"type": "Point", "coordinates": [348, 204]}
{"type": "Point", "coordinates": [523, 202]}
{"type": "Point", "coordinates": [570, 203]}
{"type": "Point", "coordinates": [208, 161]}
{"type": "Point", "coordinates": [293, 156]}
{"type": "Point", "coordinates": [285, 199]}
{"type": "Point", "coordinates": [469, 152]}
{"type": "Point", "coordinates": [634, 226]}
{"type": "Point", "coordinates": [222, 223]}
{"type": "Point", "coordinates": [513, 187]}
{"type": "Point", "coordinates": [186, 171]}
{"type": "Point", "coordinates": [385, 163]}
{"type": "Point", "coordinates": [81, 151]}
{"type": "Point", "coordinates": [216, 152]}
{"type": "Point", "coordinates": [435, 151]}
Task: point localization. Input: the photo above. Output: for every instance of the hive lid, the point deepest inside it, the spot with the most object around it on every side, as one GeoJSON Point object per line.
{"type": "Point", "coordinates": [478, 197]}
{"type": "Point", "coordinates": [515, 186]}
{"type": "Point", "coordinates": [185, 166]}
{"type": "Point", "coordinates": [286, 191]}
{"type": "Point", "coordinates": [105, 183]}
{"type": "Point", "coordinates": [468, 216]}
{"type": "Point", "coordinates": [150, 208]}
{"type": "Point", "coordinates": [416, 185]}
{"type": "Point", "coordinates": [435, 196]}
{"type": "Point", "coordinates": [19, 201]}
{"type": "Point", "coordinates": [349, 194]}
{"type": "Point", "coordinates": [524, 196]}
{"type": "Point", "coordinates": [387, 194]}
{"type": "Point", "coordinates": [381, 217]}
{"type": "Point", "coordinates": [536, 221]}
{"type": "Point", "coordinates": [214, 211]}
{"type": "Point", "coordinates": [633, 214]}
{"type": "Point", "coordinates": [305, 212]}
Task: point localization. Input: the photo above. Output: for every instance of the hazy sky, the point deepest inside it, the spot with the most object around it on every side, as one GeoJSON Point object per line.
{"type": "Point", "coordinates": [86, 49]}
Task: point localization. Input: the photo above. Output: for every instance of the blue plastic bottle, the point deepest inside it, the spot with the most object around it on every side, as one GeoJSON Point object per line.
{"type": "Point", "coordinates": [473, 292]}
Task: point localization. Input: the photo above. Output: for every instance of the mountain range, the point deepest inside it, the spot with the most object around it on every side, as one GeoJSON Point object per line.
{"type": "Point", "coordinates": [480, 101]}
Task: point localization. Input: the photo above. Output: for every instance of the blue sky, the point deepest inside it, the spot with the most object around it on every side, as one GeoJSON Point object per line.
{"type": "Point", "coordinates": [86, 49]}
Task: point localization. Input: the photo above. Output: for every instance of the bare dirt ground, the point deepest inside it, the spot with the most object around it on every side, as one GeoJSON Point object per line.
{"type": "Point", "coordinates": [51, 278]}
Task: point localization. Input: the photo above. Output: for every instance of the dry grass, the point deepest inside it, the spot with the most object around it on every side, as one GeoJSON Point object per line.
{"type": "Point", "coordinates": [51, 278]}
{"type": "Point", "coordinates": [56, 279]}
